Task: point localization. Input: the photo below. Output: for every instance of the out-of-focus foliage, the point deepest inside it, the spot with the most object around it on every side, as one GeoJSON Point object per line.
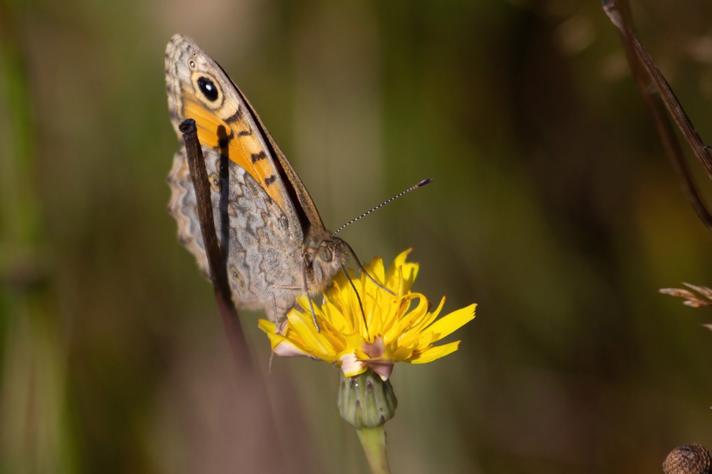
{"type": "Point", "coordinates": [553, 207]}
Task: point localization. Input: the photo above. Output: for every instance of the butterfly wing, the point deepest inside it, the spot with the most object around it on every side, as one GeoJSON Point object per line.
{"type": "Point", "coordinates": [198, 88]}
{"type": "Point", "coordinates": [264, 255]}
{"type": "Point", "coordinates": [266, 221]}
{"type": "Point", "coordinates": [272, 218]}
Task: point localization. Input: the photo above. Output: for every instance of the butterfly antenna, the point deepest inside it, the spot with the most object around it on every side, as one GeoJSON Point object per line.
{"type": "Point", "coordinates": [363, 269]}
{"type": "Point", "coordinates": [358, 297]}
{"type": "Point", "coordinates": [420, 184]}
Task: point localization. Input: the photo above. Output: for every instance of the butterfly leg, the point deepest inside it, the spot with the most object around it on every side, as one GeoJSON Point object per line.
{"type": "Point", "coordinates": [311, 304]}
{"type": "Point", "coordinates": [288, 287]}
{"type": "Point", "coordinates": [281, 330]}
{"type": "Point", "coordinates": [282, 320]}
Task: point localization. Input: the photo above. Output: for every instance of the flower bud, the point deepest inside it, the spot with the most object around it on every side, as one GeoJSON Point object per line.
{"type": "Point", "coordinates": [366, 401]}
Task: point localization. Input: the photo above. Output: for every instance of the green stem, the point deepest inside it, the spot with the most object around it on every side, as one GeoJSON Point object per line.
{"type": "Point", "coordinates": [373, 441]}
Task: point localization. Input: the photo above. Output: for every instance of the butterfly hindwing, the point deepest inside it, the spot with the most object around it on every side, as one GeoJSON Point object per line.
{"type": "Point", "coordinates": [264, 253]}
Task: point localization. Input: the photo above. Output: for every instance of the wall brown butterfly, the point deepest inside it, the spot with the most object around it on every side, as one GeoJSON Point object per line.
{"type": "Point", "coordinates": [276, 243]}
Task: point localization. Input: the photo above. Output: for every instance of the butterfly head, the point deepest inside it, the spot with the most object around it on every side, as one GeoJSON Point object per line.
{"type": "Point", "coordinates": [324, 255]}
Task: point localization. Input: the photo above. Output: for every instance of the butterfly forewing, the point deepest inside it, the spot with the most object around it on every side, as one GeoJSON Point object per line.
{"type": "Point", "coordinates": [199, 89]}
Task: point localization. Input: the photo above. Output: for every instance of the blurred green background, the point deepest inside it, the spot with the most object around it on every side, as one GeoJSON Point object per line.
{"type": "Point", "coordinates": [553, 207]}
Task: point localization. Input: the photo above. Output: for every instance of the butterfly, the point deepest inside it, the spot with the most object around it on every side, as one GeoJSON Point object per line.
{"type": "Point", "coordinates": [276, 245]}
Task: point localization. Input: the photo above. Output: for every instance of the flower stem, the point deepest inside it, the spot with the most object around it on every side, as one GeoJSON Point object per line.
{"type": "Point", "coordinates": [373, 441]}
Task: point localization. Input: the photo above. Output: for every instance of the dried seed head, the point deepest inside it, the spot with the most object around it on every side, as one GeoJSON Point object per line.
{"type": "Point", "coordinates": [688, 459]}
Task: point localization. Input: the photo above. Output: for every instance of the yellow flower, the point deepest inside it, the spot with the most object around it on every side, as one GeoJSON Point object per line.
{"type": "Point", "coordinates": [397, 327]}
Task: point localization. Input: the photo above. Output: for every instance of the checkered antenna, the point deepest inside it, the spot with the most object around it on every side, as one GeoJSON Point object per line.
{"type": "Point", "coordinates": [420, 184]}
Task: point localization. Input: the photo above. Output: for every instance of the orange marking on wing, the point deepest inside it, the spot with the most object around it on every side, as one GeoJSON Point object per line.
{"type": "Point", "coordinates": [241, 149]}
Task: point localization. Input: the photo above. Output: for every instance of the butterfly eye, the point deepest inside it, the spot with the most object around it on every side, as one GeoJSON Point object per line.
{"type": "Point", "coordinates": [326, 253]}
{"type": "Point", "coordinates": [208, 88]}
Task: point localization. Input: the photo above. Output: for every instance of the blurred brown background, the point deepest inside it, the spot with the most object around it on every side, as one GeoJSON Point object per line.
{"type": "Point", "coordinates": [553, 207]}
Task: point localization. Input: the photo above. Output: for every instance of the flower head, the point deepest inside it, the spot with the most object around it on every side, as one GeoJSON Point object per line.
{"type": "Point", "coordinates": [397, 327]}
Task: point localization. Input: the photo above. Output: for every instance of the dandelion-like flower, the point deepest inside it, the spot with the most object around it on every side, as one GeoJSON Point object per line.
{"type": "Point", "coordinates": [397, 327]}
{"type": "Point", "coordinates": [365, 329]}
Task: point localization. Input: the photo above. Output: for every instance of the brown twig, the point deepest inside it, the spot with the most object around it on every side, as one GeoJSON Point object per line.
{"type": "Point", "coordinates": [662, 105]}
{"type": "Point", "coordinates": [252, 387]}
{"type": "Point", "coordinates": [216, 257]}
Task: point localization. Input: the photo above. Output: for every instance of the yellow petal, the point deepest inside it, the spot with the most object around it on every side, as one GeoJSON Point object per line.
{"type": "Point", "coordinates": [435, 353]}
{"type": "Point", "coordinates": [331, 334]}
{"type": "Point", "coordinates": [288, 349]}
{"type": "Point", "coordinates": [450, 323]}
{"type": "Point", "coordinates": [423, 323]}
{"type": "Point", "coordinates": [267, 326]}
{"type": "Point", "coordinates": [303, 327]}
{"type": "Point", "coordinates": [401, 354]}
{"type": "Point", "coordinates": [402, 257]}
{"type": "Point", "coordinates": [376, 269]}
{"type": "Point", "coordinates": [409, 317]}
{"type": "Point", "coordinates": [404, 273]}
{"type": "Point", "coordinates": [410, 328]}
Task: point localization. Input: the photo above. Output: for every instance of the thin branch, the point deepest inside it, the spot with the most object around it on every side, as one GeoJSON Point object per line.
{"type": "Point", "coordinates": [661, 101]}
{"type": "Point", "coordinates": [252, 386]}
{"type": "Point", "coordinates": [216, 257]}
{"type": "Point", "coordinates": [665, 108]}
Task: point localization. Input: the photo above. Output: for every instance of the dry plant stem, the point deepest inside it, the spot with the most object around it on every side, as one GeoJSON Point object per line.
{"type": "Point", "coordinates": [659, 99]}
{"type": "Point", "coordinates": [251, 380]}
{"type": "Point", "coordinates": [216, 257]}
